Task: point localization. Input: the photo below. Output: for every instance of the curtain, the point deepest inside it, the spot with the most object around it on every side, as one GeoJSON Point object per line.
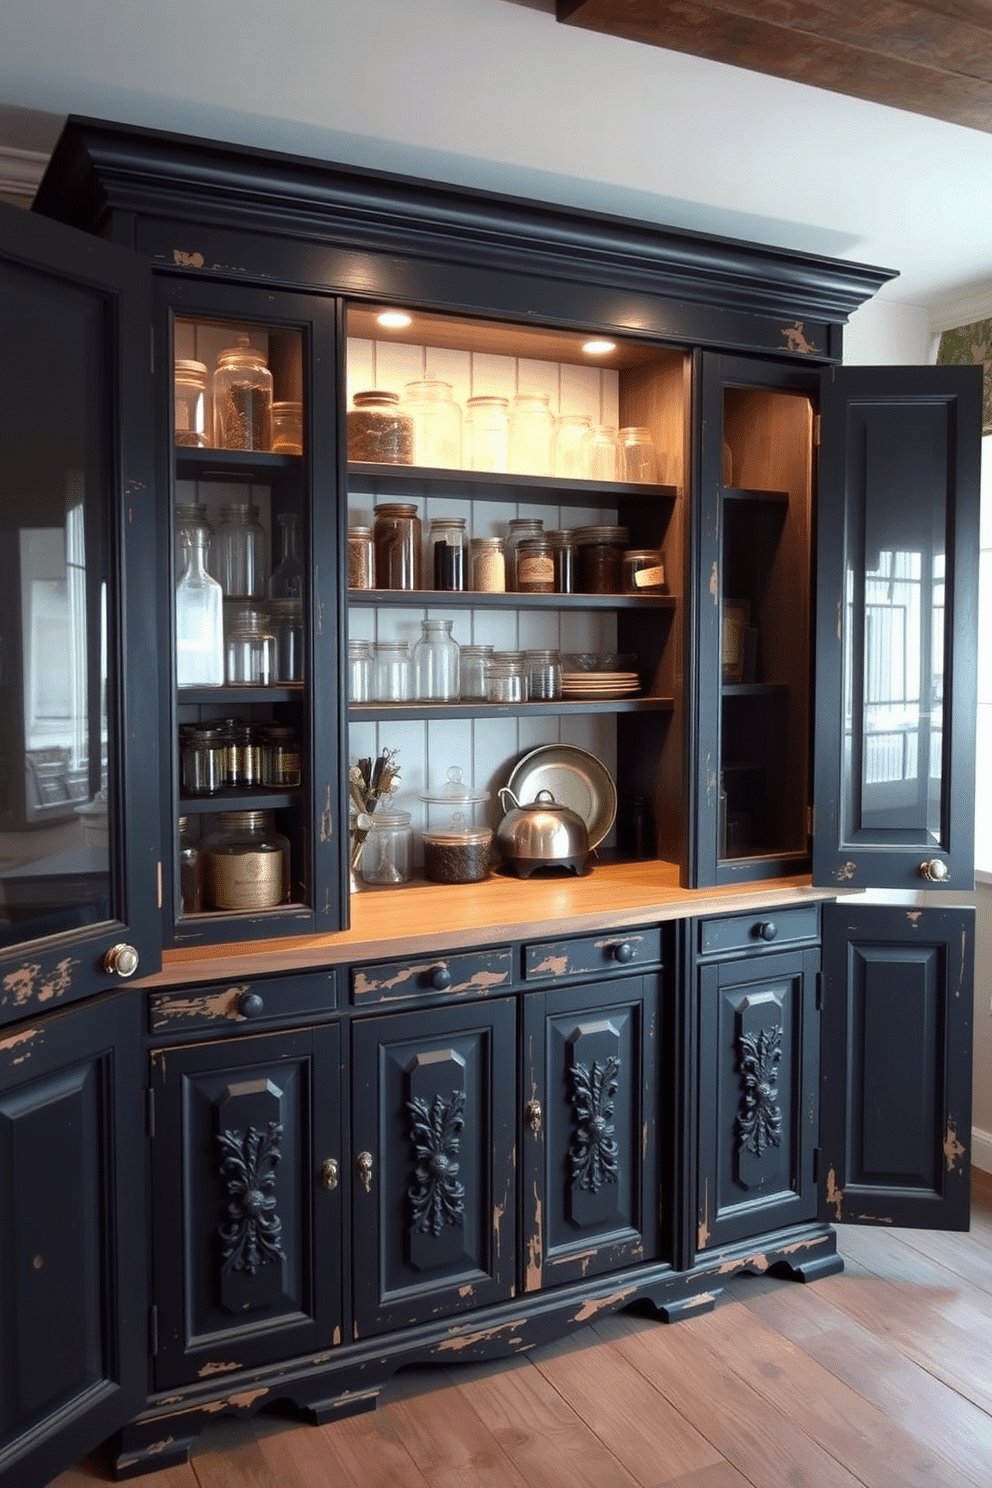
{"type": "Point", "coordinates": [971, 343]}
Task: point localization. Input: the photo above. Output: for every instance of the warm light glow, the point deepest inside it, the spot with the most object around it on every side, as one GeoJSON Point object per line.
{"type": "Point", "coordinates": [599, 348]}
{"type": "Point", "coordinates": [393, 320]}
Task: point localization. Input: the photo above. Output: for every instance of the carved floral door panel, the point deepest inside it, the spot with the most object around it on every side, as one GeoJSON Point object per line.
{"type": "Point", "coordinates": [758, 1109]}
{"type": "Point", "coordinates": [246, 1202]}
{"type": "Point", "coordinates": [433, 1163]}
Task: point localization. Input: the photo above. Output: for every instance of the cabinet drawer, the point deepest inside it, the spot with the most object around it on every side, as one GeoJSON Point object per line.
{"type": "Point", "coordinates": [771, 929]}
{"type": "Point", "coordinates": [610, 950]}
{"type": "Point", "coordinates": [250, 1003]}
{"type": "Point", "coordinates": [464, 973]}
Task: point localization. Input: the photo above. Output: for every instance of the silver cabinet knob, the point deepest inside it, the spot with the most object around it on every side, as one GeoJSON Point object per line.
{"type": "Point", "coordinates": [935, 870]}
{"type": "Point", "coordinates": [121, 960]}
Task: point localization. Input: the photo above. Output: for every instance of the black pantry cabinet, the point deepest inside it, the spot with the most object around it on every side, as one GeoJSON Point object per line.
{"type": "Point", "coordinates": [381, 1146]}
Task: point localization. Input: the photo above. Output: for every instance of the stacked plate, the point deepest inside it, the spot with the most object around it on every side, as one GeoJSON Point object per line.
{"type": "Point", "coordinates": [595, 686]}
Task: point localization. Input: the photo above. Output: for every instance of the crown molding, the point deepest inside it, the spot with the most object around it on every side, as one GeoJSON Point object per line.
{"type": "Point", "coordinates": [961, 309]}
{"type": "Point", "coordinates": [21, 171]}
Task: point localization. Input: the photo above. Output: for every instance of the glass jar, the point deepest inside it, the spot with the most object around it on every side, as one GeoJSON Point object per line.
{"type": "Point", "coordinates": [436, 662]}
{"type": "Point", "coordinates": [392, 675]}
{"type": "Point", "coordinates": [457, 854]}
{"type": "Point", "coordinates": [532, 430]}
{"type": "Point", "coordinates": [506, 678]}
{"type": "Point", "coordinates": [543, 676]}
{"type": "Point", "coordinates": [250, 650]}
{"type": "Point", "coordinates": [202, 759]}
{"type": "Point", "coordinates": [242, 389]}
{"type": "Point", "coordinates": [388, 852]}
{"type": "Point", "coordinates": [535, 566]}
{"type": "Point", "coordinates": [518, 528]}
{"type": "Point", "coordinates": [445, 555]}
{"type": "Point", "coordinates": [246, 862]}
{"type": "Point", "coordinates": [360, 664]}
{"type": "Point", "coordinates": [472, 672]}
{"type": "Point", "coordinates": [244, 755]}
{"type": "Point", "coordinates": [396, 534]}
{"type": "Point", "coordinates": [286, 619]}
{"type": "Point", "coordinates": [361, 558]}
{"type": "Point", "coordinates": [486, 433]}
{"type": "Point", "coordinates": [199, 620]}
{"type": "Point", "coordinates": [638, 459]}
{"type": "Point", "coordinates": [287, 428]}
{"type": "Point", "coordinates": [488, 565]}
{"type": "Point", "coordinates": [190, 868]}
{"type": "Point", "coordinates": [190, 517]}
{"type": "Point", "coordinates": [437, 423]}
{"type": "Point", "coordinates": [286, 581]}
{"type": "Point", "coordinates": [377, 431]}
{"type": "Point", "coordinates": [191, 404]}
{"type": "Point", "coordinates": [563, 553]}
{"type": "Point", "coordinates": [570, 453]}
{"type": "Point", "coordinates": [238, 553]}
{"type": "Point", "coordinates": [644, 571]}
{"type": "Point", "coordinates": [281, 761]}
{"type": "Point", "coordinates": [600, 551]}
{"type": "Point", "coordinates": [602, 453]}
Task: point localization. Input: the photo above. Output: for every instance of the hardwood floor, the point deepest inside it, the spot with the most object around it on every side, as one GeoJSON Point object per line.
{"type": "Point", "coordinates": [880, 1377]}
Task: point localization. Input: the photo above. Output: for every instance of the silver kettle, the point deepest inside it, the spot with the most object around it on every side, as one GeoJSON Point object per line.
{"type": "Point", "coordinates": [541, 834]}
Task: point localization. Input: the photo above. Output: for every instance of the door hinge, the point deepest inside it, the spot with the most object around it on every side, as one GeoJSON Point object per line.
{"type": "Point", "coordinates": [150, 1112]}
{"type": "Point", "coordinates": [153, 1330]}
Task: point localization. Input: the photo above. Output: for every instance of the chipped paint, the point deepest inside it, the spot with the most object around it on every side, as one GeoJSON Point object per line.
{"type": "Point", "coordinates": [206, 1370]}
{"type": "Point", "coordinates": [845, 872]}
{"type": "Point", "coordinates": [715, 583]}
{"type": "Point", "coordinates": [217, 1005]}
{"type": "Point", "coordinates": [797, 340]}
{"type": "Point", "coordinates": [509, 1331]}
{"type": "Point", "coordinates": [914, 916]}
{"type": "Point", "coordinates": [24, 1041]}
{"type": "Point", "coordinates": [595, 1305]}
{"type": "Point", "coordinates": [535, 1249]}
{"type": "Point", "coordinates": [26, 984]}
{"type": "Point", "coordinates": [336, 1336]}
{"type": "Point", "coordinates": [757, 1262]}
{"type": "Point", "coordinates": [703, 1228]}
{"type": "Point", "coordinates": [466, 1291]}
{"type": "Point", "coordinates": [183, 259]}
{"type": "Point", "coordinates": [953, 1150]}
{"type": "Point", "coordinates": [244, 1400]}
{"type": "Point", "coordinates": [550, 966]}
{"type": "Point", "coordinates": [835, 1195]}
{"type": "Point", "coordinates": [326, 817]}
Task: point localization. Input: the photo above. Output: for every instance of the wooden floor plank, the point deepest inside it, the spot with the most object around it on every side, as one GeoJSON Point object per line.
{"type": "Point", "coordinates": [359, 1452]}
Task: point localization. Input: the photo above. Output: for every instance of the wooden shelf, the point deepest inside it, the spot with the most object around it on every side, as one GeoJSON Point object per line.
{"type": "Point", "coordinates": [403, 480]}
{"type": "Point", "coordinates": [476, 599]}
{"type": "Point", "coordinates": [361, 712]}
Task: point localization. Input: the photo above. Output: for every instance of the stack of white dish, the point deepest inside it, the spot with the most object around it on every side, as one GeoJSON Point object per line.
{"type": "Point", "coordinates": [595, 686]}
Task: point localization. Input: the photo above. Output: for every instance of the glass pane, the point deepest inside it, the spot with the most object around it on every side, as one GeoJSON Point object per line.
{"type": "Point", "coordinates": [57, 816]}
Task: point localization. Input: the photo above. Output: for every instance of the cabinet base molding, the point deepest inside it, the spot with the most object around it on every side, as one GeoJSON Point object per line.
{"type": "Point", "coordinates": [349, 1380]}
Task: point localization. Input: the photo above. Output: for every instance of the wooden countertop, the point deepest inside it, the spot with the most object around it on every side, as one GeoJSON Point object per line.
{"type": "Point", "coordinates": [424, 918]}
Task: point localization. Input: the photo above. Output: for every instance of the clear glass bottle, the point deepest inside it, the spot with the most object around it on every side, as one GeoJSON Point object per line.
{"type": "Point", "coordinates": [436, 662]}
{"type": "Point", "coordinates": [286, 618]}
{"type": "Point", "coordinates": [378, 431]}
{"type": "Point", "coordinates": [246, 861]}
{"type": "Point", "coordinates": [444, 566]}
{"type": "Point", "coordinates": [398, 541]}
{"type": "Point", "coordinates": [242, 390]}
{"type": "Point", "coordinates": [535, 566]}
{"type": "Point", "coordinates": [286, 580]}
{"type": "Point", "coordinates": [190, 404]}
{"type": "Point", "coordinates": [487, 428]}
{"type": "Point", "coordinates": [388, 852]}
{"type": "Point", "coordinates": [437, 423]}
{"type": "Point", "coordinates": [602, 453]}
{"type": "Point", "coordinates": [519, 527]}
{"type": "Point", "coordinates": [190, 868]}
{"type": "Point", "coordinates": [238, 553]}
{"type": "Point", "coordinates": [189, 516]}
{"type": "Point", "coordinates": [472, 672]}
{"type": "Point", "coordinates": [543, 676]}
{"type": "Point", "coordinates": [287, 428]}
{"type": "Point", "coordinates": [392, 676]}
{"type": "Point", "coordinates": [360, 665]}
{"type": "Point", "coordinates": [532, 429]}
{"type": "Point", "coordinates": [250, 650]}
{"type": "Point", "coordinates": [488, 565]}
{"type": "Point", "coordinates": [571, 457]}
{"type": "Point", "coordinates": [199, 620]}
{"type": "Point", "coordinates": [638, 460]}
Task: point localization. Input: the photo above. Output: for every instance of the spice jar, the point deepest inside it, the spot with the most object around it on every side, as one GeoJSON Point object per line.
{"type": "Point", "coordinates": [191, 404]}
{"type": "Point", "coordinates": [378, 431]}
{"type": "Point", "coordinates": [246, 862]}
{"type": "Point", "coordinates": [532, 428]}
{"type": "Point", "coordinates": [392, 675]}
{"type": "Point", "coordinates": [237, 556]}
{"type": "Point", "coordinates": [244, 755]}
{"type": "Point", "coordinates": [436, 662]}
{"type": "Point", "coordinates": [190, 868]}
{"type": "Point", "coordinates": [287, 428]}
{"type": "Point", "coordinates": [488, 565]}
{"type": "Point", "coordinates": [445, 555]}
{"type": "Point", "coordinates": [361, 558]}
{"type": "Point", "coordinates": [388, 851]}
{"type": "Point", "coordinates": [242, 389]}
{"type": "Point", "coordinates": [203, 759]}
{"type": "Point", "coordinates": [600, 551]}
{"type": "Point", "coordinates": [535, 566]}
{"type": "Point", "coordinates": [644, 571]}
{"type": "Point", "coordinates": [472, 672]}
{"type": "Point", "coordinates": [281, 763]}
{"type": "Point", "coordinates": [396, 534]}
{"type": "Point", "coordinates": [360, 671]}
{"type": "Point", "coordinates": [518, 528]}
{"type": "Point", "coordinates": [563, 552]}
{"type": "Point", "coordinates": [486, 433]}
{"type": "Point", "coordinates": [638, 459]}
{"type": "Point", "coordinates": [437, 423]}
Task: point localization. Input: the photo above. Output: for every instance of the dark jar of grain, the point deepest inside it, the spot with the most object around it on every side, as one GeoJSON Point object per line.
{"type": "Point", "coordinates": [361, 558]}
{"type": "Point", "coordinates": [397, 539]}
{"type": "Point", "coordinates": [242, 389]}
{"type": "Point", "coordinates": [378, 431]}
{"type": "Point", "coordinates": [600, 554]}
{"type": "Point", "coordinates": [458, 854]}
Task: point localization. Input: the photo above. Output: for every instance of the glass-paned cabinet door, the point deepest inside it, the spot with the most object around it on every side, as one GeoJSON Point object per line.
{"type": "Point", "coordinates": [78, 876]}
{"type": "Point", "coordinates": [897, 628]}
{"type": "Point", "coordinates": [753, 658]}
{"type": "Point", "coordinates": [252, 773]}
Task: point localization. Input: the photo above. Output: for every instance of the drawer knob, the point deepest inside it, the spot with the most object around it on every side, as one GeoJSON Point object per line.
{"type": "Point", "coordinates": [624, 952]}
{"type": "Point", "coordinates": [329, 1173]}
{"type": "Point", "coordinates": [121, 960]}
{"type": "Point", "coordinates": [768, 929]}
{"type": "Point", "coordinates": [251, 1005]}
{"type": "Point", "coordinates": [935, 870]}
{"type": "Point", "coordinates": [440, 978]}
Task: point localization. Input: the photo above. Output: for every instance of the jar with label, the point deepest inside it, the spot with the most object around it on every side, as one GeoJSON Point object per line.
{"type": "Point", "coordinates": [237, 557]}
{"type": "Point", "coordinates": [518, 528]}
{"type": "Point", "coordinates": [392, 676]}
{"type": "Point", "coordinates": [571, 457]}
{"type": "Point", "coordinates": [602, 453]}
{"type": "Point", "coordinates": [377, 429]}
{"type": "Point", "coordinates": [242, 391]}
{"type": "Point", "coordinates": [486, 433]}
{"type": "Point", "coordinates": [398, 540]}
{"type": "Point", "coordinates": [287, 428]}
{"type": "Point", "coordinates": [600, 551]}
{"type": "Point", "coordinates": [563, 552]}
{"type": "Point", "coordinates": [361, 558]}
{"type": "Point", "coordinates": [286, 619]}
{"type": "Point", "coordinates": [190, 868]}
{"type": "Point", "coordinates": [488, 565]}
{"type": "Point", "coordinates": [544, 681]}
{"type": "Point", "coordinates": [388, 852]}
{"type": "Point", "coordinates": [535, 566]}
{"type": "Point", "coordinates": [250, 650]}
{"type": "Point", "coordinates": [638, 457]}
{"type": "Point", "coordinates": [281, 762]}
{"type": "Point", "coordinates": [244, 755]}
{"type": "Point", "coordinates": [246, 861]}
{"type": "Point", "coordinates": [437, 423]}
{"type": "Point", "coordinates": [360, 662]}
{"type": "Point", "coordinates": [532, 432]}
{"type": "Point", "coordinates": [436, 662]}
{"type": "Point", "coordinates": [644, 571]}
{"type": "Point", "coordinates": [191, 404]}
{"type": "Point", "coordinates": [445, 554]}
{"type": "Point", "coordinates": [472, 672]}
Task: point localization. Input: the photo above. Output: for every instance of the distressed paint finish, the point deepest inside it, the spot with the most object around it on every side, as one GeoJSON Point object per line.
{"type": "Point", "coordinates": [17, 1048]}
{"type": "Point", "coordinates": [835, 1195]}
{"type": "Point", "coordinates": [207, 1370]}
{"type": "Point", "coordinates": [796, 340]}
{"type": "Point", "coordinates": [29, 985]}
{"type": "Point", "coordinates": [207, 1007]}
{"type": "Point", "coordinates": [610, 1303]}
{"type": "Point", "coordinates": [479, 973]}
{"type": "Point", "coordinates": [534, 1272]}
{"type": "Point", "coordinates": [953, 1150]}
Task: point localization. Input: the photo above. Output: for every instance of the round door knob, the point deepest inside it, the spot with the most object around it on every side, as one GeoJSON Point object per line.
{"type": "Point", "coordinates": [121, 960]}
{"type": "Point", "coordinates": [251, 1004]}
{"type": "Point", "coordinates": [623, 952]}
{"type": "Point", "coordinates": [533, 1113]}
{"type": "Point", "coordinates": [363, 1162]}
{"type": "Point", "coordinates": [440, 978]}
{"type": "Point", "coordinates": [768, 929]}
{"type": "Point", "coordinates": [935, 870]}
{"type": "Point", "coordinates": [330, 1173]}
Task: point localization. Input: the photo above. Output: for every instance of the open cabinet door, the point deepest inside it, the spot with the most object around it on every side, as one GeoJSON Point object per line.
{"type": "Point", "coordinates": [897, 626]}
{"type": "Point", "coordinates": [897, 1006]}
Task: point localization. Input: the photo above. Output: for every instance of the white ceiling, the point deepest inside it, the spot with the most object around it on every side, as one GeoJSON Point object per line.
{"type": "Point", "coordinates": [494, 93]}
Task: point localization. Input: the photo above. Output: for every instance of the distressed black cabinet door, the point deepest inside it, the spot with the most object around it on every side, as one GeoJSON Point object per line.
{"type": "Point", "coordinates": [897, 626]}
{"type": "Point", "coordinates": [758, 1047]}
{"type": "Point", "coordinates": [432, 1163]}
{"type": "Point", "coordinates": [73, 1300]}
{"type": "Point", "coordinates": [246, 1264]}
{"type": "Point", "coordinates": [590, 1129]}
{"type": "Point", "coordinates": [897, 1032]}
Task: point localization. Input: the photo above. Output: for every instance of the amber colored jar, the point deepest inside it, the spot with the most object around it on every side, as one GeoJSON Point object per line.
{"type": "Point", "coordinates": [644, 571]}
{"type": "Point", "coordinates": [535, 566]}
{"type": "Point", "coordinates": [247, 862]}
{"type": "Point", "coordinates": [396, 536]}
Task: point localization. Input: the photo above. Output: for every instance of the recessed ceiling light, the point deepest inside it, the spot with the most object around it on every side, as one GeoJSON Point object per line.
{"type": "Point", "coordinates": [599, 348]}
{"type": "Point", "coordinates": [393, 320]}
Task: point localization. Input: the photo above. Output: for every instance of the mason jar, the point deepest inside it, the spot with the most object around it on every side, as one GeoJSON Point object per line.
{"type": "Point", "coordinates": [436, 662]}
{"type": "Point", "coordinates": [472, 672]}
{"type": "Point", "coordinates": [396, 535]}
{"type": "Point", "coordinates": [571, 457]}
{"type": "Point", "coordinates": [488, 565]}
{"type": "Point", "coordinates": [237, 554]}
{"type": "Point", "coordinates": [250, 651]}
{"type": "Point", "coordinates": [445, 553]}
{"type": "Point", "coordinates": [535, 566]}
{"type": "Point", "coordinates": [519, 528]}
{"type": "Point", "coordinates": [392, 677]}
{"type": "Point", "coordinates": [246, 862]}
{"type": "Point", "coordinates": [378, 431]}
{"type": "Point", "coordinates": [638, 457]}
{"type": "Point", "coordinates": [191, 404]}
{"type": "Point", "coordinates": [532, 428]}
{"type": "Point", "coordinates": [487, 433]}
{"type": "Point", "coordinates": [388, 852]}
{"type": "Point", "coordinates": [360, 663]}
{"type": "Point", "coordinates": [437, 423]}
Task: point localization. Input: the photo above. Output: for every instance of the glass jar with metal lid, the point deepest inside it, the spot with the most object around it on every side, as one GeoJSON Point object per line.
{"type": "Point", "coordinates": [281, 763]}
{"type": "Point", "coordinates": [246, 862]}
{"type": "Point", "coordinates": [644, 571]}
{"type": "Point", "coordinates": [445, 553]}
{"type": "Point", "coordinates": [486, 431]}
{"type": "Point", "coordinates": [242, 389]}
{"type": "Point", "coordinates": [535, 566]}
{"type": "Point", "coordinates": [488, 565]}
{"type": "Point", "coordinates": [388, 852]}
{"type": "Point", "coordinates": [397, 537]}
{"type": "Point", "coordinates": [600, 553]}
{"type": "Point", "coordinates": [437, 423]}
{"type": "Point", "coordinates": [191, 404]}
{"type": "Point", "coordinates": [378, 431]}
{"type": "Point", "coordinates": [517, 529]}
